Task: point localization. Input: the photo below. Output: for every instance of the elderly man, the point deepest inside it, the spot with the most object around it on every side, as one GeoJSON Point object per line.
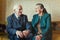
{"type": "Point", "coordinates": [18, 27]}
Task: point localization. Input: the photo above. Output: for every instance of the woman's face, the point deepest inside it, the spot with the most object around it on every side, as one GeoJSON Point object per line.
{"type": "Point", "coordinates": [38, 9]}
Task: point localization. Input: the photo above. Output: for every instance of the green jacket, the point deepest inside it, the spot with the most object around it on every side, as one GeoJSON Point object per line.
{"type": "Point", "coordinates": [45, 24]}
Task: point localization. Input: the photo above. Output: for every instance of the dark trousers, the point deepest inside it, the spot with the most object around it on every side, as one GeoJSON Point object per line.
{"type": "Point", "coordinates": [16, 38]}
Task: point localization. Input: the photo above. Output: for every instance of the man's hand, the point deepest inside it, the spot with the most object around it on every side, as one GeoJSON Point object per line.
{"type": "Point", "coordinates": [19, 33]}
{"type": "Point", "coordinates": [38, 37]}
{"type": "Point", "coordinates": [26, 33]}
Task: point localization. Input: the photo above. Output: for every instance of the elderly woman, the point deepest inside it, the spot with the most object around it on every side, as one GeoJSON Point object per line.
{"type": "Point", "coordinates": [18, 27]}
{"type": "Point", "coordinates": [41, 23]}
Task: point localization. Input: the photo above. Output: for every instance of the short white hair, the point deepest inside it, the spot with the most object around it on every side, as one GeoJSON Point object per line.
{"type": "Point", "coordinates": [16, 6]}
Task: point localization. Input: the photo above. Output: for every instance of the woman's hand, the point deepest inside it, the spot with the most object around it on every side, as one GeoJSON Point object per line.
{"type": "Point", "coordinates": [38, 37]}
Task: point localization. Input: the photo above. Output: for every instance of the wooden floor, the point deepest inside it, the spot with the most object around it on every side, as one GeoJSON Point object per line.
{"type": "Point", "coordinates": [56, 36]}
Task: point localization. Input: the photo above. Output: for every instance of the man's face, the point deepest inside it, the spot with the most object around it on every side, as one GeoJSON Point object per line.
{"type": "Point", "coordinates": [19, 10]}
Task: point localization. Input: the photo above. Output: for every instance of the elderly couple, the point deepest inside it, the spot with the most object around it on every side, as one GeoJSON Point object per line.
{"type": "Point", "coordinates": [19, 28]}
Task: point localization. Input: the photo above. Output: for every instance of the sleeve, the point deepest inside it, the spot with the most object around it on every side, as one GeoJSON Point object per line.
{"type": "Point", "coordinates": [33, 25]}
{"type": "Point", "coordinates": [9, 27]}
{"type": "Point", "coordinates": [48, 24]}
{"type": "Point", "coordinates": [27, 24]}
{"type": "Point", "coordinates": [33, 21]}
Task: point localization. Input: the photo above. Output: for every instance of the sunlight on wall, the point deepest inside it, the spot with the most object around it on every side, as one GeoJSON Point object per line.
{"type": "Point", "coordinates": [52, 7]}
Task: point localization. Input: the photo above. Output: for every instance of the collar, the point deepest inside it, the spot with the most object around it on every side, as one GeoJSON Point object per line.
{"type": "Point", "coordinates": [16, 15]}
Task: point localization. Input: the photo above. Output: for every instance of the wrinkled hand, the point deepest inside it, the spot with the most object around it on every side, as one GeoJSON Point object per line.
{"type": "Point", "coordinates": [19, 33]}
{"type": "Point", "coordinates": [26, 33]}
{"type": "Point", "coordinates": [38, 37]}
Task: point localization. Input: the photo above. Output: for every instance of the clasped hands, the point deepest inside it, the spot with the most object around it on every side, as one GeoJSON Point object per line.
{"type": "Point", "coordinates": [38, 37]}
{"type": "Point", "coordinates": [22, 34]}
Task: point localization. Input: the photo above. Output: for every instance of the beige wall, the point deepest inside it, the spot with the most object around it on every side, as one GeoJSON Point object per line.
{"type": "Point", "coordinates": [52, 6]}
